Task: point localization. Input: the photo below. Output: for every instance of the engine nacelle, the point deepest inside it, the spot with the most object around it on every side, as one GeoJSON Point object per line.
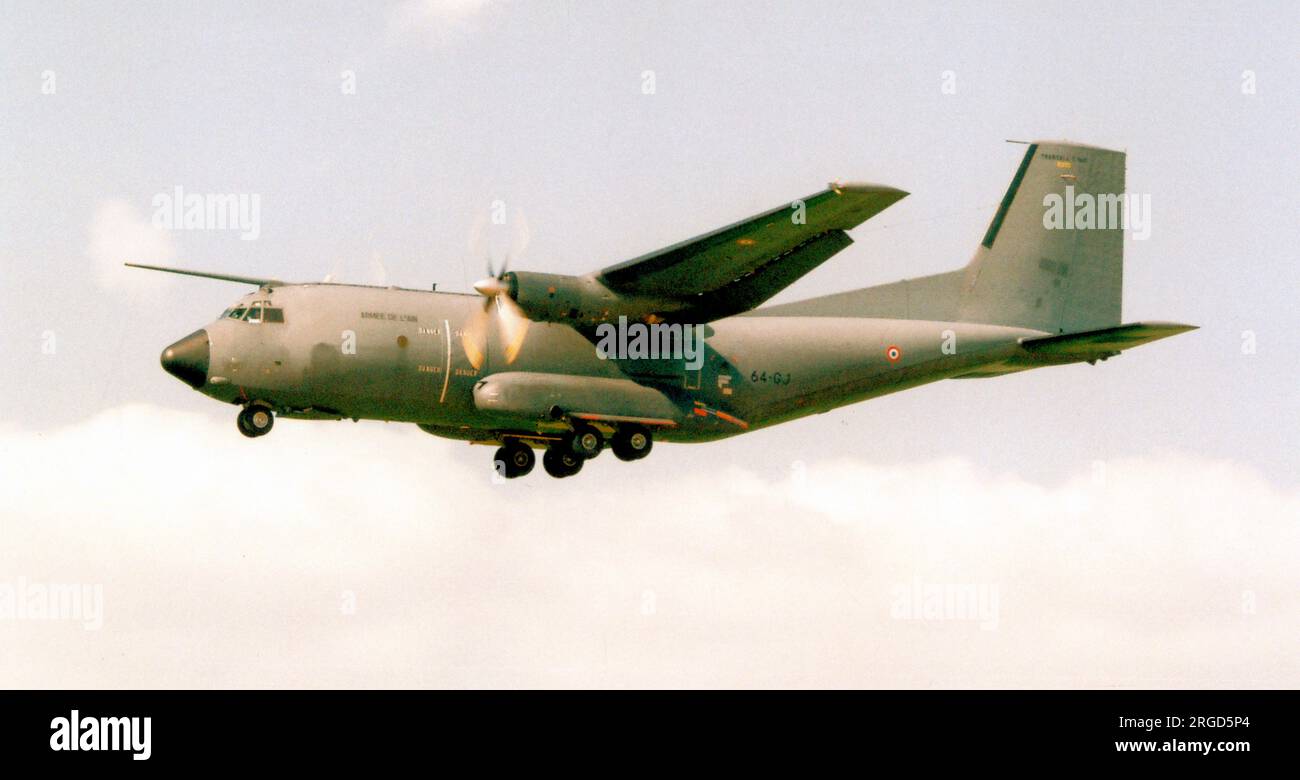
{"type": "Point", "coordinates": [574, 300]}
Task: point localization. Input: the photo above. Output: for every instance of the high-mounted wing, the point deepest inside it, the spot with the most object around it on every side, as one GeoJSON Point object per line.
{"type": "Point", "coordinates": [716, 275]}
{"type": "Point", "coordinates": [738, 267]}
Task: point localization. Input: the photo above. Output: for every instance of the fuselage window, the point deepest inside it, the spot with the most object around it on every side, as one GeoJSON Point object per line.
{"type": "Point", "coordinates": [270, 314]}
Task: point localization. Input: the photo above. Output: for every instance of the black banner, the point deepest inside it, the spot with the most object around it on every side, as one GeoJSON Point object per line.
{"type": "Point", "coordinates": [130, 729]}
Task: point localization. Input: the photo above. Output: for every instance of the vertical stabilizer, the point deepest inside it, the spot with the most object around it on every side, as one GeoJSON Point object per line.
{"type": "Point", "coordinates": [1052, 258]}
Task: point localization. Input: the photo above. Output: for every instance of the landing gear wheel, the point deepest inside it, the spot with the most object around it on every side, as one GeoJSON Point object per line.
{"type": "Point", "coordinates": [255, 421]}
{"type": "Point", "coordinates": [586, 441]}
{"type": "Point", "coordinates": [514, 460]}
{"type": "Point", "coordinates": [560, 463]}
{"type": "Point", "coordinates": [631, 442]}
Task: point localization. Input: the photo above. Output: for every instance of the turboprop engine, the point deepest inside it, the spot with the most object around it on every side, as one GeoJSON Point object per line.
{"type": "Point", "coordinates": [574, 300]}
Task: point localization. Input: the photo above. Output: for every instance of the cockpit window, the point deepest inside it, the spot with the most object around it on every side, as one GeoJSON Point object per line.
{"type": "Point", "coordinates": [255, 312]}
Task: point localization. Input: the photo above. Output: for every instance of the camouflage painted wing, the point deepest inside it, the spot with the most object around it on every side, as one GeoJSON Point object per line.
{"type": "Point", "coordinates": [738, 267]}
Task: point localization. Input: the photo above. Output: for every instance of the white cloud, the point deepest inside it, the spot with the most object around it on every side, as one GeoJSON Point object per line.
{"type": "Point", "coordinates": [119, 233]}
{"type": "Point", "coordinates": [225, 562]}
{"type": "Point", "coordinates": [439, 21]}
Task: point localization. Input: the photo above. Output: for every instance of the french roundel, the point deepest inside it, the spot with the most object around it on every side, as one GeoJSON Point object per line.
{"type": "Point", "coordinates": [893, 353]}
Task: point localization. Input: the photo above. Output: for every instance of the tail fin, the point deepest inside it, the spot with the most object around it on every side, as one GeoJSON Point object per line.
{"type": "Point", "coordinates": [1056, 275]}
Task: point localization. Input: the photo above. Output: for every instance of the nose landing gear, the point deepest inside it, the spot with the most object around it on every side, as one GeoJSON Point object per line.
{"type": "Point", "coordinates": [255, 420]}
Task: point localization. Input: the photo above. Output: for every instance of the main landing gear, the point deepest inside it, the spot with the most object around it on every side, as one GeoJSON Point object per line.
{"type": "Point", "coordinates": [559, 463]}
{"type": "Point", "coordinates": [631, 442]}
{"type": "Point", "coordinates": [515, 459]}
{"type": "Point", "coordinates": [586, 441]}
{"type": "Point", "coordinates": [255, 420]}
{"type": "Point", "coordinates": [565, 456]}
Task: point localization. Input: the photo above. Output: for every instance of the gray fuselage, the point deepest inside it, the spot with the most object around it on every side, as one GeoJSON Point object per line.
{"type": "Point", "coordinates": [345, 351]}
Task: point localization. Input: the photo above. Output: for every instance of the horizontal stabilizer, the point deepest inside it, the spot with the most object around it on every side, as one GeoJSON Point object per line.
{"type": "Point", "coordinates": [1086, 346]}
{"type": "Point", "coordinates": [1106, 341]}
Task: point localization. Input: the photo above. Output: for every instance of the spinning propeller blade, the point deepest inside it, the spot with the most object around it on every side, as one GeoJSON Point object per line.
{"type": "Point", "coordinates": [495, 289]}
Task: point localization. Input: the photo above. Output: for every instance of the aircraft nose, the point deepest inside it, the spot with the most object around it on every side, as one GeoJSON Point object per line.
{"type": "Point", "coordinates": [187, 359]}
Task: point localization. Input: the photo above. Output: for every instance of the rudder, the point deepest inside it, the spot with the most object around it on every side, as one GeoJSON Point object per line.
{"type": "Point", "coordinates": [1062, 278]}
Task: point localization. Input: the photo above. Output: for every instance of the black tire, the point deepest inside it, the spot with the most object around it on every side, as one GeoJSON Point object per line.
{"type": "Point", "coordinates": [631, 442]}
{"type": "Point", "coordinates": [255, 421]}
{"type": "Point", "coordinates": [586, 441]}
{"type": "Point", "coordinates": [514, 460]}
{"type": "Point", "coordinates": [559, 463]}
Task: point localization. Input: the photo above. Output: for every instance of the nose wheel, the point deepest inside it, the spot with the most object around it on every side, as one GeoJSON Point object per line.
{"type": "Point", "coordinates": [255, 420]}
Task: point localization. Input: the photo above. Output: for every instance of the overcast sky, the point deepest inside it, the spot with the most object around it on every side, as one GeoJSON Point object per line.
{"type": "Point", "coordinates": [1134, 523]}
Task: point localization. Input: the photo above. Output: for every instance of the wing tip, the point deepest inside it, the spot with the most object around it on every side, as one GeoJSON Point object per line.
{"type": "Point", "coordinates": [1172, 328]}
{"type": "Point", "coordinates": [866, 188]}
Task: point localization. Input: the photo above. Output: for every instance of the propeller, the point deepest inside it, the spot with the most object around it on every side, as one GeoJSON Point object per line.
{"type": "Point", "coordinates": [495, 289]}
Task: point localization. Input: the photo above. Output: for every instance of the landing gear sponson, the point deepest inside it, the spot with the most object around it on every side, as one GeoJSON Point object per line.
{"type": "Point", "coordinates": [565, 456]}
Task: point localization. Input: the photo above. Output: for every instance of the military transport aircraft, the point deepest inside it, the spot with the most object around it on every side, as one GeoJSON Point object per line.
{"type": "Point", "coordinates": [672, 346]}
